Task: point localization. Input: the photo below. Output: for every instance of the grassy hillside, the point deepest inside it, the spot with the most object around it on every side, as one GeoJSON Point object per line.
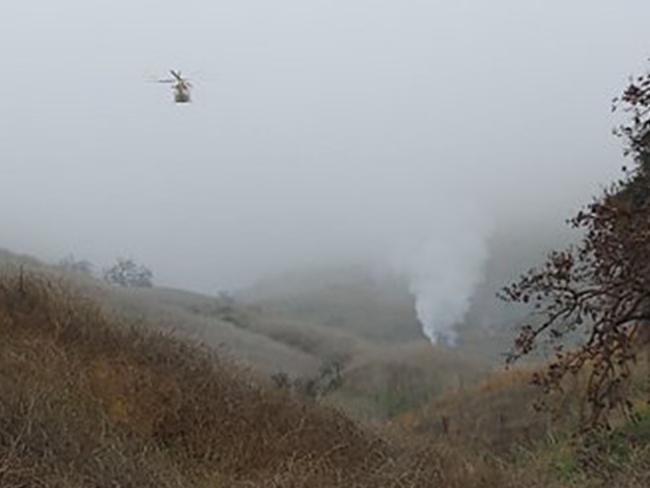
{"type": "Point", "coordinates": [89, 399]}
{"type": "Point", "coordinates": [86, 401]}
{"type": "Point", "coordinates": [178, 311]}
{"type": "Point", "coordinates": [384, 383]}
{"type": "Point", "coordinates": [282, 326]}
{"type": "Point", "coordinates": [381, 378]}
{"type": "Point", "coordinates": [541, 446]}
{"type": "Point", "coordinates": [354, 299]}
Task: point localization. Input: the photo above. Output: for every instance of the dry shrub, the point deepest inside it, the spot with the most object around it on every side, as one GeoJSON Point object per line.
{"type": "Point", "coordinates": [86, 401]}
{"type": "Point", "coordinates": [497, 414]}
{"type": "Point", "coordinates": [51, 435]}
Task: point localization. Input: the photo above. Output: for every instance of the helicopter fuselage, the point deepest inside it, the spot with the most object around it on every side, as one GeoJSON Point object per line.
{"type": "Point", "coordinates": [181, 94]}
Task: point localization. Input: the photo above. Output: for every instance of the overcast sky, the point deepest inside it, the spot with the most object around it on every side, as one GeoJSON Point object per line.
{"type": "Point", "coordinates": [320, 129]}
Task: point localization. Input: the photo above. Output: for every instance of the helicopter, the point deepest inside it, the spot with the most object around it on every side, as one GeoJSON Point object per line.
{"type": "Point", "coordinates": [181, 86]}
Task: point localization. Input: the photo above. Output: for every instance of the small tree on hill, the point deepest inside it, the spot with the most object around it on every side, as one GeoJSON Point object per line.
{"type": "Point", "coordinates": [127, 273]}
{"type": "Point", "coordinates": [601, 286]}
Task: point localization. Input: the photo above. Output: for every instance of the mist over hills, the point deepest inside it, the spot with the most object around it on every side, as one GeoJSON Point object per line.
{"type": "Point", "coordinates": [359, 315]}
{"type": "Point", "coordinates": [348, 305]}
{"type": "Point", "coordinates": [374, 304]}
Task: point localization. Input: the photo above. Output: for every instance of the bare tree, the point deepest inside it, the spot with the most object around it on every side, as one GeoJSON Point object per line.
{"type": "Point", "coordinates": [600, 286]}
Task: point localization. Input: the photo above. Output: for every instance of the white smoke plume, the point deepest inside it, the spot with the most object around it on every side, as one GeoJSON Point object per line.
{"type": "Point", "coordinates": [444, 270]}
{"type": "Point", "coordinates": [443, 282]}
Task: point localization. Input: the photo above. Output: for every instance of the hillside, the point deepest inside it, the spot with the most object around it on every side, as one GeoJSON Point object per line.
{"type": "Point", "coordinates": [283, 325]}
{"type": "Point", "coordinates": [86, 401]}
{"type": "Point", "coordinates": [372, 305]}
{"type": "Point", "coordinates": [90, 399]}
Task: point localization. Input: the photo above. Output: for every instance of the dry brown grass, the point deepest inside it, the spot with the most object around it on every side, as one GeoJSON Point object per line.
{"type": "Point", "coordinates": [383, 382]}
{"type": "Point", "coordinates": [88, 401]}
{"type": "Point", "coordinates": [498, 414]}
{"type": "Point", "coordinates": [540, 448]}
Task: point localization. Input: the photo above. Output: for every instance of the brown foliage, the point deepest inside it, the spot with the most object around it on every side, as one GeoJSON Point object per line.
{"type": "Point", "coordinates": [85, 401]}
{"type": "Point", "coordinates": [601, 287]}
{"type": "Point", "coordinates": [88, 401]}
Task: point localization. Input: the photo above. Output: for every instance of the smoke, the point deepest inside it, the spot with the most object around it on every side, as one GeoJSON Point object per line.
{"type": "Point", "coordinates": [444, 271]}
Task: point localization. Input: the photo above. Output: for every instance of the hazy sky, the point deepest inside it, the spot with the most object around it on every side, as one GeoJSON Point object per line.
{"type": "Point", "coordinates": [320, 129]}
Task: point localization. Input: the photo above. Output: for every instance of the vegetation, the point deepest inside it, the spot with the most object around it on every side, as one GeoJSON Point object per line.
{"type": "Point", "coordinates": [344, 299]}
{"type": "Point", "coordinates": [328, 380]}
{"type": "Point", "coordinates": [89, 400]}
{"type": "Point", "coordinates": [601, 287]}
{"type": "Point", "coordinates": [127, 273]}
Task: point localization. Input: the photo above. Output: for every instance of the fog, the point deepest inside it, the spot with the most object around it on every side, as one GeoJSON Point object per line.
{"type": "Point", "coordinates": [404, 133]}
